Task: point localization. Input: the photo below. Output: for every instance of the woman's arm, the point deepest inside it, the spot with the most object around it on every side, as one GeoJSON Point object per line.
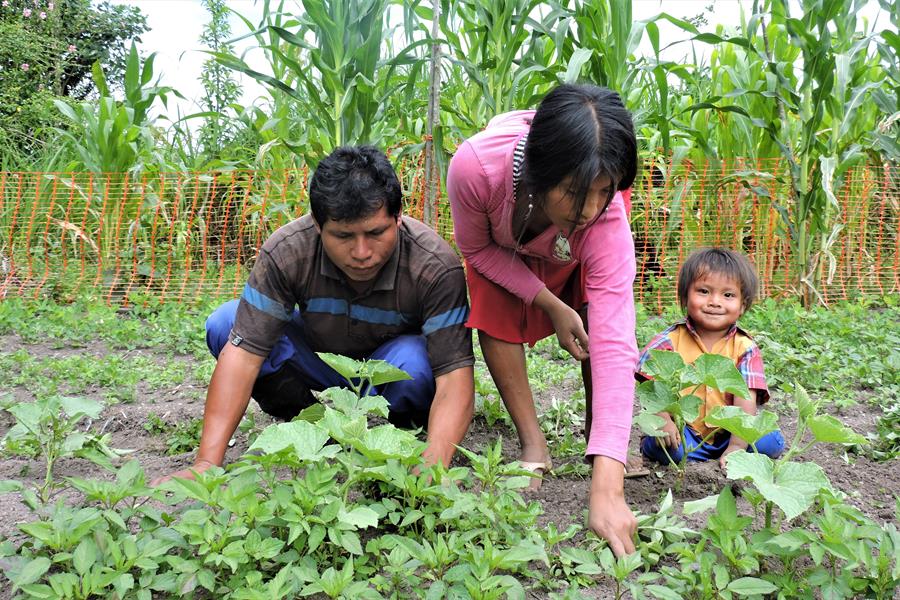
{"type": "Point", "coordinates": [471, 202]}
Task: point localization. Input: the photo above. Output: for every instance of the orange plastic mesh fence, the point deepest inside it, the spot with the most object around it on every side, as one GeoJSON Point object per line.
{"type": "Point", "coordinates": [185, 236]}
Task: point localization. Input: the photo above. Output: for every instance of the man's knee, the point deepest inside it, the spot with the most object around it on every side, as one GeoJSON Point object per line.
{"type": "Point", "coordinates": [218, 326]}
{"type": "Point", "coordinates": [410, 354]}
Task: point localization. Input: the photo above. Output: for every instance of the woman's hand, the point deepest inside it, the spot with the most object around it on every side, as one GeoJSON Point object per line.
{"type": "Point", "coordinates": [608, 515]}
{"type": "Point", "coordinates": [567, 322]}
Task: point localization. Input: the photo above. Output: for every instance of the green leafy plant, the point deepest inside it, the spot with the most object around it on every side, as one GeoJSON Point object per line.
{"type": "Point", "coordinates": [47, 428]}
{"type": "Point", "coordinates": [182, 436]}
{"type": "Point", "coordinates": [790, 485]}
{"type": "Point", "coordinates": [671, 390]}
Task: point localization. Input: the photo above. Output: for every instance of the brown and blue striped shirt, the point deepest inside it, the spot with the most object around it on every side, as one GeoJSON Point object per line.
{"type": "Point", "coordinates": [420, 290]}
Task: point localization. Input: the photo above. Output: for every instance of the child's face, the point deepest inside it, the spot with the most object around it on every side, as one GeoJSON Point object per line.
{"type": "Point", "coordinates": [714, 303]}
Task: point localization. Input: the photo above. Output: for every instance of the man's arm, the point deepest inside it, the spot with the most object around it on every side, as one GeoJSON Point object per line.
{"type": "Point", "coordinates": [451, 414]}
{"type": "Point", "coordinates": [226, 402]}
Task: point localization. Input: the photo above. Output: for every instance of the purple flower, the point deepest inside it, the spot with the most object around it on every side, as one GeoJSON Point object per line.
{"type": "Point", "coordinates": [72, 48]}
{"type": "Point", "coordinates": [5, 3]}
{"type": "Point", "coordinates": [26, 13]}
{"type": "Point", "coordinates": [24, 66]}
{"type": "Point", "coordinates": [50, 6]}
{"type": "Point", "coordinates": [43, 15]}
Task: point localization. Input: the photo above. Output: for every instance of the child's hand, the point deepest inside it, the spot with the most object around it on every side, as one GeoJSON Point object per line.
{"type": "Point", "coordinates": [731, 448]}
{"type": "Point", "coordinates": [672, 439]}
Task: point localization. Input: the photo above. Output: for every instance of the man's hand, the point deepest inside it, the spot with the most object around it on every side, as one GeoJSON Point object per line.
{"type": "Point", "coordinates": [608, 514]}
{"type": "Point", "coordinates": [190, 473]}
{"type": "Point", "coordinates": [567, 322]}
{"type": "Point", "coordinates": [672, 439]}
{"type": "Point", "coordinates": [226, 401]}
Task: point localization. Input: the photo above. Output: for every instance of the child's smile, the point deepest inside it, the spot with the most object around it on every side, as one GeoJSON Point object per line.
{"type": "Point", "coordinates": [714, 304]}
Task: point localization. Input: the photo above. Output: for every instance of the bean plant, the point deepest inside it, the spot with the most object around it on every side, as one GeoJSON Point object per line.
{"type": "Point", "coordinates": [671, 377]}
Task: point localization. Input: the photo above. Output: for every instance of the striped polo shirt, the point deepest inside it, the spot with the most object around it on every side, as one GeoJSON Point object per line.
{"type": "Point", "coordinates": [420, 290]}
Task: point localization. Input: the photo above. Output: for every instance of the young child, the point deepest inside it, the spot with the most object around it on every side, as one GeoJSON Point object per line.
{"type": "Point", "coordinates": [715, 287]}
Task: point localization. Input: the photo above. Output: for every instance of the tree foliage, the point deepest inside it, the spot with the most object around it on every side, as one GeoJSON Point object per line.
{"type": "Point", "coordinates": [47, 49]}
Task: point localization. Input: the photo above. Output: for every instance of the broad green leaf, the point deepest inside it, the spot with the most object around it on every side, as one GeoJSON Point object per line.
{"type": "Point", "coordinates": [749, 428]}
{"type": "Point", "coordinates": [655, 396]}
{"type": "Point", "coordinates": [726, 507]}
{"type": "Point", "coordinates": [313, 413]}
{"type": "Point", "coordinates": [826, 428]}
{"type": "Point", "coordinates": [695, 506]}
{"type": "Point", "coordinates": [349, 403]}
{"type": "Point", "coordinates": [718, 372]}
{"type": "Point", "coordinates": [688, 406]}
{"type": "Point", "coordinates": [751, 586]}
{"type": "Point", "coordinates": [380, 372]}
{"type": "Point", "coordinates": [344, 365]}
{"type": "Point", "coordinates": [791, 540]}
{"type": "Point", "coordinates": [359, 518]}
{"type": "Point", "coordinates": [663, 593]}
{"type": "Point", "coordinates": [410, 518]}
{"type": "Point", "coordinates": [664, 364]}
{"type": "Point", "coordinates": [31, 572]}
{"type": "Point", "coordinates": [805, 406]}
{"type": "Point", "coordinates": [350, 542]}
{"type": "Point", "coordinates": [28, 415]}
{"type": "Point", "coordinates": [523, 553]}
{"type": "Point", "coordinates": [85, 556]}
{"type": "Point", "coordinates": [81, 407]}
{"type": "Point", "coordinates": [307, 440]}
{"type": "Point", "coordinates": [794, 487]}
{"type": "Point", "coordinates": [386, 441]}
{"type": "Point", "coordinates": [650, 423]}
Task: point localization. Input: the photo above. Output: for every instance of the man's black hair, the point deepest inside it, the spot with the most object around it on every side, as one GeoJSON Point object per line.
{"type": "Point", "coordinates": [353, 182]}
{"type": "Point", "coordinates": [582, 131]}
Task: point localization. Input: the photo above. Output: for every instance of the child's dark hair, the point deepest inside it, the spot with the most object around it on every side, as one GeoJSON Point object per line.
{"type": "Point", "coordinates": [582, 131]}
{"type": "Point", "coordinates": [720, 261]}
{"type": "Point", "coordinates": [354, 182]}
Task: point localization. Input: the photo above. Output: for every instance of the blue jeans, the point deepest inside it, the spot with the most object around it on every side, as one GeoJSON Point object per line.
{"type": "Point", "coordinates": [407, 352]}
{"type": "Point", "coordinates": [771, 444]}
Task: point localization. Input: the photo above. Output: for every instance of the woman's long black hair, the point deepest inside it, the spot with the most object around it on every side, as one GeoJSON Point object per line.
{"type": "Point", "coordinates": [582, 131]}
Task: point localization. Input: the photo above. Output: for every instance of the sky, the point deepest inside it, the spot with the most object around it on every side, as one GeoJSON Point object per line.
{"type": "Point", "coordinates": [176, 25]}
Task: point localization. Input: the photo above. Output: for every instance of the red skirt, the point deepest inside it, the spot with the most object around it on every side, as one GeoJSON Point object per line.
{"type": "Point", "coordinates": [506, 317]}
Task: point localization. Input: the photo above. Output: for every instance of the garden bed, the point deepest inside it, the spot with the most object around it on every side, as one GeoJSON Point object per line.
{"type": "Point", "coordinates": [150, 380]}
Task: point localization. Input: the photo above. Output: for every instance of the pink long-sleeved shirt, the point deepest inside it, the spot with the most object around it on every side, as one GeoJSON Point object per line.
{"type": "Point", "coordinates": [480, 187]}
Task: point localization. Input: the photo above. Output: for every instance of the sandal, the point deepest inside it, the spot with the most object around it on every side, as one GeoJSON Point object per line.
{"type": "Point", "coordinates": [634, 467]}
{"type": "Point", "coordinates": [538, 468]}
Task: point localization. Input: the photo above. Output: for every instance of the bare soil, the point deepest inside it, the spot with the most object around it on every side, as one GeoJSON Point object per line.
{"type": "Point", "coordinates": [872, 486]}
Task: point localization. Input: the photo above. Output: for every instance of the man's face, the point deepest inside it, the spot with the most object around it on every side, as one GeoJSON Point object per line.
{"type": "Point", "coordinates": [360, 248]}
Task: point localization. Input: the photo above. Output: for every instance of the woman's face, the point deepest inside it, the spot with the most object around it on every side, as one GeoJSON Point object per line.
{"type": "Point", "coordinates": [560, 203]}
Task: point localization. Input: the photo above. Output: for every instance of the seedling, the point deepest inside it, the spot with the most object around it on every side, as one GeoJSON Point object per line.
{"type": "Point", "coordinates": [792, 486]}
{"type": "Point", "coordinates": [47, 428]}
{"type": "Point", "coordinates": [672, 389]}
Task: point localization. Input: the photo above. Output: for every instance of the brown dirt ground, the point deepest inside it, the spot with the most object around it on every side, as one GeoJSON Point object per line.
{"type": "Point", "coordinates": [872, 486]}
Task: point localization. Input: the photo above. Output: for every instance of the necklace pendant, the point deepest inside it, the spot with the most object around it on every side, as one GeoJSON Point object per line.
{"type": "Point", "coordinates": [561, 250]}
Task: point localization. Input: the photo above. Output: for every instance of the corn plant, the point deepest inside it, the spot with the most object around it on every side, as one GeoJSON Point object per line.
{"type": "Point", "coordinates": [812, 106]}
